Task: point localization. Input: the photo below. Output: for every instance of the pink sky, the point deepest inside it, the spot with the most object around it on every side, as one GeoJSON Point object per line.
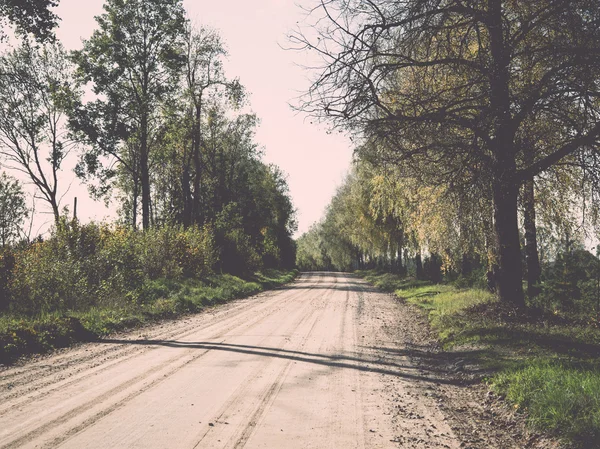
{"type": "Point", "coordinates": [253, 30]}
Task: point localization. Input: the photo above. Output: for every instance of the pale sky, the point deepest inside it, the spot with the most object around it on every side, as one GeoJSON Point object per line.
{"type": "Point", "coordinates": [253, 31]}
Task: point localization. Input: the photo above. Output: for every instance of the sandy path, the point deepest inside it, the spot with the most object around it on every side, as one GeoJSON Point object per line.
{"type": "Point", "coordinates": [316, 365]}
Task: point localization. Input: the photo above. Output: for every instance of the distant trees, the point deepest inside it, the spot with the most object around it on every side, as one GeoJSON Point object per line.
{"type": "Point", "coordinates": [454, 88]}
{"type": "Point", "coordinates": [387, 218]}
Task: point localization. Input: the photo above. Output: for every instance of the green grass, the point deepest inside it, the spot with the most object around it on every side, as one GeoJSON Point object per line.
{"type": "Point", "coordinates": [389, 282]}
{"type": "Point", "coordinates": [556, 396]}
{"type": "Point", "coordinates": [546, 365]}
{"type": "Point", "coordinates": [156, 300]}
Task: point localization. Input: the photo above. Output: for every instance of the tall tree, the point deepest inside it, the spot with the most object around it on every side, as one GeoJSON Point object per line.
{"type": "Point", "coordinates": [421, 72]}
{"type": "Point", "coordinates": [133, 60]}
{"type": "Point", "coordinates": [37, 91]}
{"type": "Point", "coordinates": [205, 82]}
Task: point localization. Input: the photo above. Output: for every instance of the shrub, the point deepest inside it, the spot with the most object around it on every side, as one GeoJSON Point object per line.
{"type": "Point", "coordinates": [82, 266]}
{"type": "Point", "coordinates": [7, 263]}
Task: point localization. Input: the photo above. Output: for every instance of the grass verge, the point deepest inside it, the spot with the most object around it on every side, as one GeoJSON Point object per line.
{"type": "Point", "coordinates": [161, 299]}
{"type": "Point", "coordinates": [546, 365]}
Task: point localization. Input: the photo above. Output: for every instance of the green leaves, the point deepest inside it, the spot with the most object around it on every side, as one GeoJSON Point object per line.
{"type": "Point", "coordinates": [31, 16]}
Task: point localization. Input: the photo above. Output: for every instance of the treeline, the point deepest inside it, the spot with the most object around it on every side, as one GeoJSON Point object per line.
{"type": "Point", "coordinates": [476, 127]}
{"type": "Point", "coordinates": [147, 114]}
{"type": "Point", "coordinates": [381, 219]}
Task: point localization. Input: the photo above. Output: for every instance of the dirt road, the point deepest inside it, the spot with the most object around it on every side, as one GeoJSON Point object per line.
{"type": "Point", "coordinates": [319, 364]}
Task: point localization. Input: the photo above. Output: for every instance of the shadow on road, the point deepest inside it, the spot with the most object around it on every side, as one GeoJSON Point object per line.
{"type": "Point", "coordinates": [362, 363]}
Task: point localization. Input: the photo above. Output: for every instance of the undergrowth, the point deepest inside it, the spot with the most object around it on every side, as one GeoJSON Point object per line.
{"type": "Point", "coordinates": [545, 364]}
{"type": "Point", "coordinates": [158, 299]}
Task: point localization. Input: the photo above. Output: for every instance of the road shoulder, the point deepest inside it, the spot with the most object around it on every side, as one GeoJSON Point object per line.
{"type": "Point", "coordinates": [444, 379]}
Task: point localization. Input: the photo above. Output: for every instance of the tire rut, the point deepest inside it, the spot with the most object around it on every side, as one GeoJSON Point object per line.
{"type": "Point", "coordinates": [223, 413]}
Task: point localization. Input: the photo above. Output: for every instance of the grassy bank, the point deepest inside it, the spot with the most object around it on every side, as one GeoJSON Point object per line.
{"type": "Point", "coordinates": [545, 364]}
{"type": "Point", "coordinates": [21, 335]}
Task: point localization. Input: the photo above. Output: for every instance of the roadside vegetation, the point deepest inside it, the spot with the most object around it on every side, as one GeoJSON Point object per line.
{"type": "Point", "coordinates": [545, 363]}
{"type": "Point", "coordinates": [22, 335]}
{"type": "Point", "coordinates": [166, 137]}
{"type": "Point", "coordinates": [86, 281]}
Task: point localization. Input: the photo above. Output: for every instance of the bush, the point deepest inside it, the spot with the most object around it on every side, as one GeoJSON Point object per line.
{"type": "Point", "coordinates": [83, 266]}
{"type": "Point", "coordinates": [7, 264]}
{"type": "Point", "coordinates": [571, 285]}
{"type": "Point", "coordinates": [173, 252]}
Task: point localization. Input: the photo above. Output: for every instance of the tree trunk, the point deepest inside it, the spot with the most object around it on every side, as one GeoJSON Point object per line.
{"type": "Point", "coordinates": [145, 173]}
{"type": "Point", "coordinates": [419, 265]}
{"type": "Point", "coordinates": [466, 266]}
{"type": "Point", "coordinates": [197, 163]}
{"type": "Point", "coordinates": [510, 288]}
{"type": "Point", "coordinates": [55, 209]}
{"type": "Point", "coordinates": [399, 265]}
{"type": "Point", "coordinates": [187, 219]}
{"type": "Point", "coordinates": [134, 204]}
{"type": "Point", "coordinates": [531, 249]}
{"type": "Point", "coordinates": [505, 189]}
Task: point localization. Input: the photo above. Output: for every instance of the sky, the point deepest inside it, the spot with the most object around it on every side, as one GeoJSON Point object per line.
{"type": "Point", "coordinates": [255, 34]}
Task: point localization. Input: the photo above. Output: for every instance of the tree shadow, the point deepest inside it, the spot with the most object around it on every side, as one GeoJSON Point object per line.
{"type": "Point", "coordinates": [343, 361]}
{"type": "Point", "coordinates": [524, 338]}
{"type": "Point", "coordinates": [467, 366]}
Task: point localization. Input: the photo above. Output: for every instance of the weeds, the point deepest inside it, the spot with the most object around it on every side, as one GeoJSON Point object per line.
{"type": "Point", "coordinates": [556, 396]}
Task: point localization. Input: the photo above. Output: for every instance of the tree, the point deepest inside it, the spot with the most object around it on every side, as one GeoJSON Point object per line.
{"type": "Point", "coordinates": [37, 90]}
{"type": "Point", "coordinates": [455, 82]}
{"type": "Point", "coordinates": [133, 60]}
{"type": "Point", "coordinates": [12, 209]}
{"type": "Point", "coordinates": [30, 16]}
{"type": "Point", "coordinates": [205, 82]}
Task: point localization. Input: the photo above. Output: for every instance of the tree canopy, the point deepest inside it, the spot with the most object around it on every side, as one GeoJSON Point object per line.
{"type": "Point", "coordinates": [454, 88]}
{"type": "Point", "coordinates": [30, 16]}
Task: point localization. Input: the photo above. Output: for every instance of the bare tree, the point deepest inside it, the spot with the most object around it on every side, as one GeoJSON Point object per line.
{"type": "Point", "coordinates": [37, 89]}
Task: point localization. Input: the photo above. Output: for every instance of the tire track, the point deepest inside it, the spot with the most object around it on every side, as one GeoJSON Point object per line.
{"type": "Point", "coordinates": [223, 412]}
{"type": "Point", "coordinates": [273, 390]}
{"type": "Point", "coordinates": [359, 397]}
{"type": "Point", "coordinates": [61, 361]}
{"type": "Point", "coordinates": [98, 416]}
{"type": "Point", "coordinates": [267, 399]}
